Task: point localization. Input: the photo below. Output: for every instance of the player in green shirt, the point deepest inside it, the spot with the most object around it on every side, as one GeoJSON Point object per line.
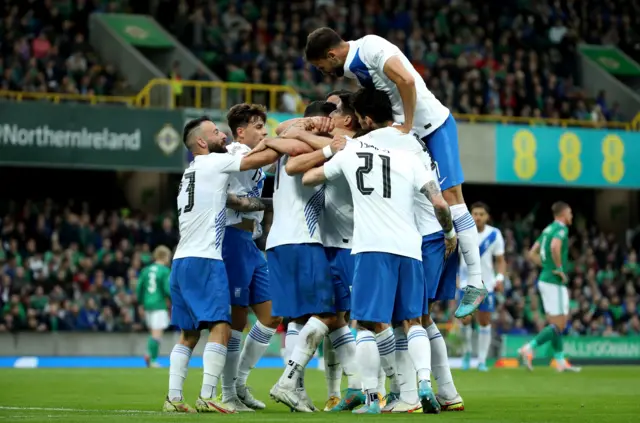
{"type": "Point", "coordinates": [152, 292]}
{"type": "Point", "coordinates": [551, 253]}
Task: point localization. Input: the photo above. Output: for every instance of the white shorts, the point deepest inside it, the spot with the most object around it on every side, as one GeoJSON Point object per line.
{"type": "Point", "coordinates": [157, 319]}
{"type": "Point", "coordinates": [555, 298]}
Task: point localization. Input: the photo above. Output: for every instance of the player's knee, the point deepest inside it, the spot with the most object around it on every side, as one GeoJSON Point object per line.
{"type": "Point", "coordinates": [484, 318]}
{"type": "Point", "coordinates": [364, 325]}
{"type": "Point", "coordinates": [467, 320]}
{"type": "Point", "coordinates": [427, 320]}
{"type": "Point", "coordinates": [379, 327]}
{"type": "Point", "coordinates": [189, 338]}
{"type": "Point", "coordinates": [453, 195]}
{"type": "Point", "coordinates": [329, 319]}
{"type": "Point", "coordinates": [270, 321]}
{"type": "Point", "coordinates": [406, 324]}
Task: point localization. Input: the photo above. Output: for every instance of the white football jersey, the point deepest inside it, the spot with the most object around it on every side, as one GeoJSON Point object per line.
{"type": "Point", "coordinates": [365, 62]}
{"type": "Point", "coordinates": [297, 210]}
{"type": "Point", "coordinates": [244, 184]}
{"type": "Point", "coordinates": [391, 138]}
{"type": "Point", "coordinates": [383, 186]}
{"type": "Point", "coordinates": [337, 227]}
{"type": "Point", "coordinates": [202, 205]}
{"type": "Point", "coordinates": [491, 245]}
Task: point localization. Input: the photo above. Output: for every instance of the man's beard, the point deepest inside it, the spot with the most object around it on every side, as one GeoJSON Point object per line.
{"type": "Point", "coordinates": [339, 72]}
{"type": "Point", "coordinates": [216, 148]}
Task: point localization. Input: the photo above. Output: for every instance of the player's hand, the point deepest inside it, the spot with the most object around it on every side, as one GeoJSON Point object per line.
{"type": "Point", "coordinates": [322, 124]}
{"type": "Point", "coordinates": [405, 129]}
{"type": "Point", "coordinates": [338, 143]}
{"type": "Point", "coordinates": [499, 287]}
{"type": "Point", "coordinates": [450, 246]}
{"type": "Point", "coordinates": [562, 275]}
{"type": "Point", "coordinates": [258, 148]}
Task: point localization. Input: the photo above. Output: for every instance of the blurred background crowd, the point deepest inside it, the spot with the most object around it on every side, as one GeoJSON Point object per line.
{"type": "Point", "coordinates": [509, 58]}
{"type": "Point", "coordinates": [68, 267]}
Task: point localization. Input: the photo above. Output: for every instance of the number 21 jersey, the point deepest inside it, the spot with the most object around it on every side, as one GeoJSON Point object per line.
{"type": "Point", "coordinates": [202, 199]}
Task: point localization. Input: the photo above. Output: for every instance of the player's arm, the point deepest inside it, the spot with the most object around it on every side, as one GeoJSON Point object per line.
{"type": "Point", "coordinates": [288, 146]}
{"type": "Point", "coordinates": [534, 254]}
{"type": "Point", "coordinates": [395, 71]}
{"type": "Point", "coordinates": [317, 142]}
{"type": "Point", "coordinates": [319, 123]}
{"type": "Point", "coordinates": [247, 204]}
{"type": "Point", "coordinates": [307, 161]}
{"type": "Point", "coordinates": [499, 261]}
{"type": "Point", "coordinates": [314, 176]}
{"type": "Point", "coordinates": [327, 172]}
{"type": "Point", "coordinates": [259, 159]}
{"type": "Point", "coordinates": [556, 256]}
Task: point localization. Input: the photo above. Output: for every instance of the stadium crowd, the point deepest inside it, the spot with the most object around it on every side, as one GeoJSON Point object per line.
{"type": "Point", "coordinates": [66, 267]}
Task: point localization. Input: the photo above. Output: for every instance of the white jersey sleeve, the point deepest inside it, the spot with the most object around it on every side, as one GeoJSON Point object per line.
{"type": "Point", "coordinates": [244, 184]}
{"type": "Point", "coordinates": [337, 228]}
{"type": "Point", "coordinates": [365, 62]}
{"type": "Point", "coordinates": [202, 198]}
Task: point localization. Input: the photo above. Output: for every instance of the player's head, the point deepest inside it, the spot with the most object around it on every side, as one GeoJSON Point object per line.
{"type": "Point", "coordinates": [162, 255]}
{"type": "Point", "coordinates": [373, 108]}
{"type": "Point", "coordinates": [480, 213]}
{"type": "Point", "coordinates": [202, 136]}
{"type": "Point", "coordinates": [248, 123]}
{"type": "Point", "coordinates": [319, 109]}
{"type": "Point", "coordinates": [344, 117]}
{"type": "Point", "coordinates": [334, 96]}
{"type": "Point", "coordinates": [327, 51]}
{"type": "Point", "coordinates": [562, 212]}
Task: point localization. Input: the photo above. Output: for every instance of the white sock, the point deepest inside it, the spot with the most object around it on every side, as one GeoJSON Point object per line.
{"type": "Point", "coordinates": [308, 340]}
{"type": "Point", "coordinates": [382, 381]}
{"type": "Point", "coordinates": [178, 366]}
{"type": "Point", "coordinates": [467, 338]}
{"type": "Point", "coordinates": [484, 343]}
{"type": "Point", "coordinates": [387, 349]}
{"type": "Point", "coordinates": [368, 359]}
{"type": "Point", "coordinates": [213, 360]}
{"type": "Point", "coordinates": [230, 371]}
{"type": "Point", "coordinates": [468, 242]}
{"type": "Point", "coordinates": [291, 339]}
{"type": "Point", "coordinates": [440, 363]}
{"type": "Point", "coordinates": [420, 352]}
{"type": "Point", "coordinates": [345, 346]}
{"type": "Point", "coordinates": [332, 368]}
{"type": "Point", "coordinates": [406, 372]}
{"type": "Point", "coordinates": [254, 348]}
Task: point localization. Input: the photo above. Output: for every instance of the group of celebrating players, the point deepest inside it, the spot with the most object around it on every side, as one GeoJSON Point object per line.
{"type": "Point", "coordinates": [369, 225]}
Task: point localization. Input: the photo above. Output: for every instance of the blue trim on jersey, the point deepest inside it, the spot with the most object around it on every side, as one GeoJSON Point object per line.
{"type": "Point", "coordinates": [221, 222]}
{"type": "Point", "coordinates": [360, 70]}
{"type": "Point", "coordinates": [313, 209]}
{"type": "Point", "coordinates": [488, 241]}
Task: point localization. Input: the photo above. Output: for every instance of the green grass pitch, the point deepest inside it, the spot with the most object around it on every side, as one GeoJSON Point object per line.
{"type": "Point", "coordinates": [598, 394]}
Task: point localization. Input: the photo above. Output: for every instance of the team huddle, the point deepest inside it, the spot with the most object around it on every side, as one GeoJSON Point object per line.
{"type": "Point", "coordinates": [369, 225]}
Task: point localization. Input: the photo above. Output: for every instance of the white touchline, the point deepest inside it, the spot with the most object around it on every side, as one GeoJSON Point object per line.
{"type": "Point", "coordinates": [79, 410]}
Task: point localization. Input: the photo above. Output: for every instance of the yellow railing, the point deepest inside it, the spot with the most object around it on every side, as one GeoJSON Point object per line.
{"type": "Point", "coordinates": [58, 98]}
{"type": "Point", "coordinates": [633, 125]}
{"type": "Point", "coordinates": [143, 99]}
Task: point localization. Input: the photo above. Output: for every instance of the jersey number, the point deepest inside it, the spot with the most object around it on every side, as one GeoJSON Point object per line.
{"type": "Point", "coordinates": [191, 187]}
{"type": "Point", "coordinates": [153, 285]}
{"type": "Point", "coordinates": [366, 168]}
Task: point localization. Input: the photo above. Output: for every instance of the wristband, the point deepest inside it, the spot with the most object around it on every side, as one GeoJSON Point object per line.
{"type": "Point", "coordinates": [327, 152]}
{"type": "Point", "coordinates": [500, 277]}
{"type": "Point", "coordinates": [450, 234]}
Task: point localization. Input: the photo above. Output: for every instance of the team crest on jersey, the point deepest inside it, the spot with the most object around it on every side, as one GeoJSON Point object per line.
{"type": "Point", "coordinates": [168, 139]}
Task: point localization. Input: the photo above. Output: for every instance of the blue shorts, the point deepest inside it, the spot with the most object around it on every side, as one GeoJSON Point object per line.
{"type": "Point", "coordinates": [341, 263]}
{"type": "Point", "coordinates": [387, 288]}
{"type": "Point", "coordinates": [199, 293]}
{"type": "Point", "coordinates": [246, 268]}
{"type": "Point", "coordinates": [488, 305]}
{"type": "Point", "coordinates": [440, 276]}
{"type": "Point", "coordinates": [443, 147]}
{"type": "Point", "coordinates": [300, 280]}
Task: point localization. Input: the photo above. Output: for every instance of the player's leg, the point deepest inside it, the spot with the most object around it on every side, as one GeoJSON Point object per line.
{"type": "Point", "coordinates": [375, 283]}
{"type": "Point", "coordinates": [552, 302]}
{"type": "Point", "coordinates": [386, 341]}
{"type": "Point", "coordinates": [443, 146]}
{"type": "Point", "coordinates": [408, 309]}
{"type": "Point", "coordinates": [403, 398]}
{"type": "Point", "coordinates": [466, 331]}
{"type": "Point", "coordinates": [157, 321]}
{"type": "Point", "coordinates": [483, 318]}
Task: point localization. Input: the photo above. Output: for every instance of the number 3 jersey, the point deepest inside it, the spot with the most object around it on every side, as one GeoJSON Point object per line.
{"type": "Point", "coordinates": [245, 184]}
{"type": "Point", "coordinates": [202, 209]}
{"type": "Point", "coordinates": [297, 210]}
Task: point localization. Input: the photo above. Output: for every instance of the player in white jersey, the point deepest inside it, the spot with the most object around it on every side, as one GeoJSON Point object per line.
{"type": "Point", "coordinates": [246, 266]}
{"type": "Point", "coordinates": [198, 281]}
{"type": "Point", "coordinates": [376, 63]}
{"type": "Point", "coordinates": [374, 111]}
{"type": "Point", "coordinates": [337, 237]}
{"type": "Point", "coordinates": [388, 282]}
{"type": "Point", "coordinates": [491, 251]}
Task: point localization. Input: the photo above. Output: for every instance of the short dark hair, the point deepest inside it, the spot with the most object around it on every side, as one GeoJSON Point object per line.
{"type": "Point", "coordinates": [480, 205]}
{"type": "Point", "coordinates": [373, 103]}
{"type": "Point", "coordinates": [339, 93]}
{"type": "Point", "coordinates": [241, 115]}
{"type": "Point", "coordinates": [319, 108]}
{"type": "Point", "coordinates": [558, 207]}
{"type": "Point", "coordinates": [346, 108]}
{"type": "Point", "coordinates": [319, 42]}
{"type": "Point", "coordinates": [191, 126]}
